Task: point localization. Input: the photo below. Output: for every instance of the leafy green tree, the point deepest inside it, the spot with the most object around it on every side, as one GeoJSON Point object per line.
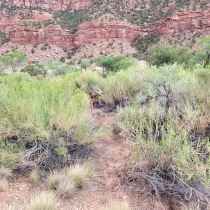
{"type": "Point", "coordinates": [35, 69]}
{"type": "Point", "coordinates": [203, 53]}
{"type": "Point", "coordinates": [85, 64]}
{"type": "Point", "coordinates": [14, 60]}
{"type": "Point", "coordinates": [114, 64]}
{"type": "Point", "coordinates": [165, 54]}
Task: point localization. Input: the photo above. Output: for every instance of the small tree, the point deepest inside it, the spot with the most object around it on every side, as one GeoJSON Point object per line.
{"type": "Point", "coordinates": [14, 60]}
{"type": "Point", "coordinates": [85, 64]}
{"type": "Point", "coordinates": [203, 53]}
{"type": "Point", "coordinates": [165, 54]}
{"type": "Point", "coordinates": [114, 64]}
{"type": "Point", "coordinates": [35, 69]}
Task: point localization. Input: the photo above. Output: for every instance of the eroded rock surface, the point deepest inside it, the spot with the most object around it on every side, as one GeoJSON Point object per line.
{"type": "Point", "coordinates": [54, 4]}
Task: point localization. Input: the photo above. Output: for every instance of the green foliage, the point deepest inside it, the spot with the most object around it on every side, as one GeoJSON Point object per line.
{"type": "Point", "coordinates": [165, 133]}
{"type": "Point", "coordinates": [115, 64]}
{"type": "Point", "coordinates": [42, 109]}
{"type": "Point", "coordinates": [35, 69]}
{"type": "Point", "coordinates": [85, 64]}
{"type": "Point", "coordinates": [143, 43]}
{"type": "Point", "coordinates": [203, 53]}
{"type": "Point", "coordinates": [165, 54]}
{"type": "Point", "coordinates": [14, 60]}
{"type": "Point", "coordinates": [62, 59]}
{"type": "Point", "coordinates": [4, 37]}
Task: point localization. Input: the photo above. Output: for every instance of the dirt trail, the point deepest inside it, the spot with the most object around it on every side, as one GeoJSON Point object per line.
{"type": "Point", "coordinates": [108, 157]}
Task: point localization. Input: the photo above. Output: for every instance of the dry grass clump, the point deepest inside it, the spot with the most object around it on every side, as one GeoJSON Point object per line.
{"type": "Point", "coordinates": [78, 174]}
{"type": "Point", "coordinates": [67, 181]}
{"type": "Point", "coordinates": [34, 176]}
{"type": "Point", "coordinates": [3, 185]}
{"type": "Point", "coordinates": [118, 206]}
{"type": "Point", "coordinates": [44, 201]}
{"type": "Point", "coordinates": [54, 179]}
{"type": "Point", "coordinates": [5, 173]}
{"type": "Point", "coordinates": [66, 188]}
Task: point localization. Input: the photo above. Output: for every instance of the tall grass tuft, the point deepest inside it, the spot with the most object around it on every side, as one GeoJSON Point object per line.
{"type": "Point", "coordinates": [44, 201]}
{"type": "Point", "coordinates": [78, 174]}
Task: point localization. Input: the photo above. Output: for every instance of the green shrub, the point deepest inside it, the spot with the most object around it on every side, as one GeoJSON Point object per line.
{"type": "Point", "coordinates": [165, 54]}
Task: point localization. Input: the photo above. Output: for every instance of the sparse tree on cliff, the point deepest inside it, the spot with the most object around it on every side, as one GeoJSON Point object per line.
{"type": "Point", "coordinates": [14, 60]}
{"type": "Point", "coordinates": [203, 53]}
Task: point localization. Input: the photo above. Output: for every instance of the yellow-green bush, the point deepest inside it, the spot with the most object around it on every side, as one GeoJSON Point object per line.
{"type": "Point", "coordinates": [32, 109]}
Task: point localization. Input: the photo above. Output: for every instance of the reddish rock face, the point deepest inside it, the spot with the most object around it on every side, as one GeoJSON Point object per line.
{"type": "Point", "coordinates": [55, 4]}
{"type": "Point", "coordinates": [51, 35]}
{"type": "Point", "coordinates": [99, 30]}
{"type": "Point", "coordinates": [193, 20]}
{"type": "Point", "coordinates": [88, 31]}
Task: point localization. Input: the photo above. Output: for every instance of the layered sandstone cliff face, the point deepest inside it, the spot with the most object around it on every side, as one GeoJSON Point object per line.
{"type": "Point", "coordinates": [194, 20]}
{"type": "Point", "coordinates": [88, 31]}
{"type": "Point", "coordinates": [51, 35]}
{"type": "Point", "coordinates": [54, 4]}
{"type": "Point", "coordinates": [99, 30]}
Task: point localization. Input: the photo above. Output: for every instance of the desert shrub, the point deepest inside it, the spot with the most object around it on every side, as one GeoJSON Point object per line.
{"type": "Point", "coordinates": [162, 121]}
{"type": "Point", "coordinates": [35, 69]}
{"type": "Point", "coordinates": [165, 54]}
{"type": "Point", "coordinates": [44, 201]}
{"type": "Point", "coordinates": [124, 84]}
{"type": "Point", "coordinates": [64, 69]}
{"type": "Point", "coordinates": [44, 110]}
{"type": "Point", "coordinates": [62, 59]}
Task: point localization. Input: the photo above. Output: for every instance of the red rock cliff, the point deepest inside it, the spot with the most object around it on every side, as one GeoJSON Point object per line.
{"type": "Point", "coordinates": [98, 30]}
{"type": "Point", "coordinates": [54, 4]}
{"type": "Point", "coordinates": [51, 35]}
{"type": "Point", "coordinates": [193, 20]}
{"type": "Point", "coordinates": [88, 31]}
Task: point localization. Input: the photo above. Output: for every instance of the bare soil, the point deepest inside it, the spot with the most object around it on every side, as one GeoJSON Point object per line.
{"type": "Point", "coordinates": [110, 156]}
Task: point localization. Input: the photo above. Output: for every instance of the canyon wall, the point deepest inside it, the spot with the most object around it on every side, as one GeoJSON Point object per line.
{"type": "Point", "coordinates": [179, 22]}
{"type": "Point", "coordinates": [88, 31]}
{"type": "Point", "coordinates": [99, 30]}
{"type": "Point", "coordinates": [53, 4]}
{"type": "Point", "coordinates": [52, 35]}
{"type": "Point", "coordinates": [117, 29]}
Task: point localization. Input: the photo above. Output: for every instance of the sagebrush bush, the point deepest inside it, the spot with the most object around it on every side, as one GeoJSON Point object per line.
{"type": "Point", "coordinates": [175, 142]}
